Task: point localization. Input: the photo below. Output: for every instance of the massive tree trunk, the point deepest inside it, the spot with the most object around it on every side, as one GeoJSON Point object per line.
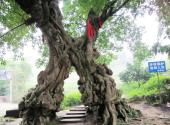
{"type": "Point", "coordinates": [97, 87]}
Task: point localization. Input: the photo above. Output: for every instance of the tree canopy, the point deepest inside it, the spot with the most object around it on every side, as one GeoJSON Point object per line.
{"type": "Point", "coordinates": [75, 14]}
{"type": "Point", "coordinates": [163, 10]}
{"type": "Point", "coordinates": [158, 48]}
{"type": "Point", "coordinates": [120, 27]}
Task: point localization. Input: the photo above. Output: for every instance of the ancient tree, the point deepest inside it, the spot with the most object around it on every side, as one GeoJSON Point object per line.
{"type": "Point", "coordinates": [97, 87]}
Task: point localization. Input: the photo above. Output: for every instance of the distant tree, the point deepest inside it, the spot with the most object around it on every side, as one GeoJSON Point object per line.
{"type": "Point", "coordinates": [135, 71]}
{"type": "Point", "coordinates": [163, 11]}
{"type": "Point", "coordinates": [158, 48]}
{"type": "Point", "coordinates": [140, 52]}
{"type": "Point", "coordinates": [165, 49]}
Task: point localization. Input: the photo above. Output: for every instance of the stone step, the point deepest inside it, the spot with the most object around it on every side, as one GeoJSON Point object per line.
{"type": "Point", "coordinates": [81, 108]}
{"type": "Point", "coordinates": [76, 113]}
{"type": "Point", "coordinates": [78, 109]}
{"type": "Point", "coordinates": [75, 120]}
{"type": "Point", "coordinates": [73, 116]}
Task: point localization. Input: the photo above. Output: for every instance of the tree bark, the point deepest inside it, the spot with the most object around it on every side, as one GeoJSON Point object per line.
{"type": "Point", "coordinates": [97, 87]}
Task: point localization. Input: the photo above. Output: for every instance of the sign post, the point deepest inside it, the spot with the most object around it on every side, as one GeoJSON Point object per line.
{"type": "Point", "coordinates": [156, 67]}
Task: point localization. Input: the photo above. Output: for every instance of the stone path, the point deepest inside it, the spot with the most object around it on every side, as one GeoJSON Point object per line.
{"type": "Point", "coordinates": [74, 115]}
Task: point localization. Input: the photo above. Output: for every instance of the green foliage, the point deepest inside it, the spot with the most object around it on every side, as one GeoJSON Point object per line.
{"type": "Point", "coordinates": [134, 72]}
{"type": "Point", "coordinates": [72, 95]}
{"type": "Point", "coordinates": [140, 52]}
{"type": "Point", "coordinates": [150, 87]}
{"type": "Point", "coordinates": [75, 15]}
{"type": "Point", "coordinates": [2, 61]}
{"type": "Point", "coordinates": [71, 99]}
{"type": "Point", "coordinates": [164, 15]}
{"type": "Point", "coordinates": [11, 16]}
{"type": "Point", "coordinates": [165, 49]}
{"type": "Point", "coordinates": [43, 60]}
{"type": "Point", "coordinates": [158, 48]}
{"type": "Point", "coordinates": [83, 7]}
{"type": "Point", "coordinates": [105, 58]}
{"type": "Point", "coordinates": [120, 27]}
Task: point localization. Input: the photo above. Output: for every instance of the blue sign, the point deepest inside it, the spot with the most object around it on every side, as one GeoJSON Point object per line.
{"type": "Point", "coordinates": [158, 66]}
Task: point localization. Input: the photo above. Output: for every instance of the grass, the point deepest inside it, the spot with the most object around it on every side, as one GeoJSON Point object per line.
{"type": "Point", "coordinates": [71, 99]}
{"type": "Point", "coordinates": [72, 95]}
{"type": "Point", "coordinates": [152, 86]}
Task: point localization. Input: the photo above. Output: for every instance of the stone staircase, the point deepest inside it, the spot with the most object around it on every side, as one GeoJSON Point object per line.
{"type": "Point", "coordinates": [75, 115]}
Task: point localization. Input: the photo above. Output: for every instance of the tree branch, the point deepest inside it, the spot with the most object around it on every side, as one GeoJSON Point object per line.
{"type": "Point", "coordinates": [109, 9]}
{"type": "Point", "coordinates": [27, 22]}
{"type": "Point", "coordinates": [94, 22]}
{"type": "Point", "coordinates": [108, 5]}
{"type": "Point", "coordinates": [122, 5]}
{"type": "Point", "coordinates": [12, 30]}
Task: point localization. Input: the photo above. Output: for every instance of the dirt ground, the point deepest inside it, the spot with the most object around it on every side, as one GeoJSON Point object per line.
{"type": "Point", "coordinates": [152, 115]}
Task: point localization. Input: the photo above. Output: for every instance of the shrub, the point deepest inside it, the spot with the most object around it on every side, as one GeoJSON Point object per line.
{"type": "Point", "coordinates": [135, 72]}
{"type": "Point", "coordinates": [150, 87]}
{"type": "Point", "coordinates": [71, 99]}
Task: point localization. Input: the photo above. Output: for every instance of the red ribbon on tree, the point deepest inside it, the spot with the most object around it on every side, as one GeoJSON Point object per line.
{"type": "Point", "coordinates": [91, 32]}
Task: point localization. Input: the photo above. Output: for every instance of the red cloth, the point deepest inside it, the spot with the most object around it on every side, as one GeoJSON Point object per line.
{"type": "Point", "coordinates": [91, 32]}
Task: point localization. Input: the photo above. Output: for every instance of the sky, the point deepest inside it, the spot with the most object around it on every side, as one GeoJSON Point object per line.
{"type": "Point", "coordinates": [150, 22]}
